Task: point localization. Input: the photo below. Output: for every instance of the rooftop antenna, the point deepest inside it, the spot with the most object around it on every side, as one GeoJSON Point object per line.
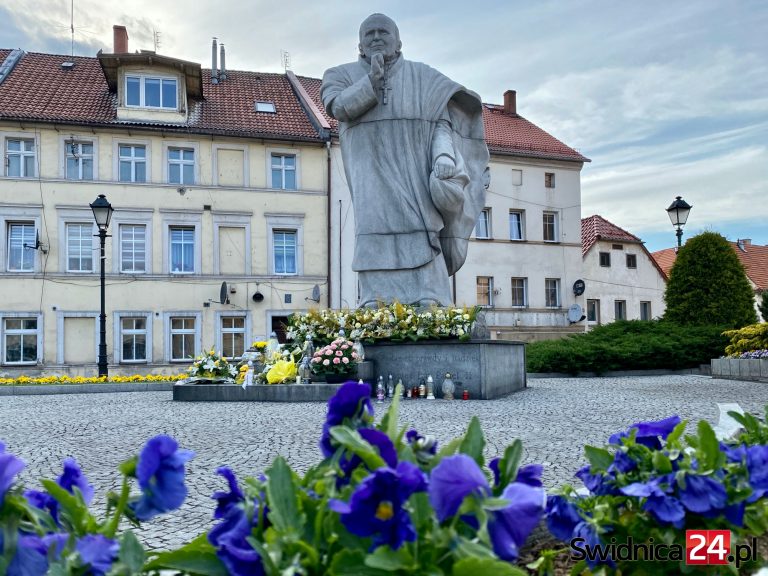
{"type": "Point", "coordinates": [156, 37]}
{"type": "Point", "coordinates": [285, 59]}
{"type": "Point", "coordinates": [72, 25]}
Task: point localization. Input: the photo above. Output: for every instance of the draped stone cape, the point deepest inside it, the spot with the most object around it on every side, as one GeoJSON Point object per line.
{"type": "Point", "coordinates": [388, 160]}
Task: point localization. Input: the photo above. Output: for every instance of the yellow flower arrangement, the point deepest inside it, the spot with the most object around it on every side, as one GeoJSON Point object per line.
{"type": "Point", "coordinates": [281, 371]}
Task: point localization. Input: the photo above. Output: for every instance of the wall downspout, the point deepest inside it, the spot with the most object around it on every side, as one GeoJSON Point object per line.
{"type": "Point", "coordinates": [328, 213]}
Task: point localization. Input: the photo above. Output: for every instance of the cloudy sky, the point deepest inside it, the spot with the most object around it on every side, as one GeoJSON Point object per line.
{"type": "Point", "coordinates": [667, 98]}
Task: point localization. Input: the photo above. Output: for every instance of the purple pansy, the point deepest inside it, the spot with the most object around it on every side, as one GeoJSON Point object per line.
{"type": "Point", "coordinates": [43, 501]}
{"type": "Point", "coordinates": [30, 556]}
{"type": "Point", "coordinates": [229, 537]}
{"type": "Point", "coordinates": [225, 500]}
{"type": "Point", "coordinates": [160, 472]}
{"type": "Point", "coordinates": [351, 402]}
{"type": "Point", "coordinates": [97, 552]}
{"type": "Point", "coordinates": [376, 506]}
{"type": "Point", "coordinates": [10, 466]}
{"type": "Point", "coordinates": [423, 446]}
{"type": "Point", "coordinates": [72, 478]}
{"type": "Point", "coordinates": [702, 494]}
{"type": "Point", "coordinates": [452, 480]}
{"type": "Point", "coordinates": [659, 504]}
{"type": "Point", "coordinates": [562, 517]}
{"type": "Point", "coordinates": [509, 527]}
{"type": "Point", "coordinates": [757, 465]}
{"type": "Point", "coordinates": [648, 433]}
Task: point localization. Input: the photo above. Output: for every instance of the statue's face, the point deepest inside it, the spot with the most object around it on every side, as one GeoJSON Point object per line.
{"type": "Point", "coordinates": [379, 35]}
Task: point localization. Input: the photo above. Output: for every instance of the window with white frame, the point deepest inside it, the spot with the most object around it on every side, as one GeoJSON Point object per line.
{"type": "Point", "coordinates": [232, 336]}
{"type": "Point", "coordinates": [519, 292]}
{"type": "Point", "coordinates": [151, 92]}
{"type": "Point", "coordinates": [182, 335]}
{"type": "Point", "coordinates": [485, 290]}
{"type": "Point", "coordinates": [20, 340]}
{"type": "Point", "coordinates": [593, 311]}
{"type": "Point", "coordinates": [133, 248]}
{"type": "Point", "coordinates": [620, 309]}
{"type": "Point", "coordinates": [79, 247]}
{"type": "Point", "coordinates": [78, 160]}
{"type": "Point", "coordinates": [181, 249]}
{"type": "Point", "coordinates": [133, 339]}
{"type": "Point", "coordinates": [552, 292]}
{"type": "Point", "coordinates": [181, 165]}
{"type": "Point", "coordinates": [132, 166]}
{"type": "Point", "coordinates": [516, 230]}
{"type": "Point", "coordinates": [20, 158]}
{"type": "Point", "coordinates": [284, 248]}
{"type": "Point", "coordinates": [21, 247]}
{"type": "Point", "coordinates": [483, 226]}
{"type": "Point", "coordinates": [283, 171]}
{"type": "Point", "coordinates": [549, 221]}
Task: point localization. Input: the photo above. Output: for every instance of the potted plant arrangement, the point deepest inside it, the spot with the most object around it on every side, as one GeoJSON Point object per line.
{"type": "Point", "coordinates": [337, 361]}
{"type": "Point", "coordinates": [211, 367]}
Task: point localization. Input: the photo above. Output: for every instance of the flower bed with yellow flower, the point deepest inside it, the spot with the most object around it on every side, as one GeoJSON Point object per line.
{"type": "Point", "coordinates": [396, 322]}
{"type": "Point", "coordinates": [42, 380]}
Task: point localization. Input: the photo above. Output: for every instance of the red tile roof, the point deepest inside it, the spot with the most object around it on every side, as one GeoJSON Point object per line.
{"type": "Point", "coordinates": [753, 257]}
{"type": "Point", "coordinates": [597, 228]}
{"type": "Point", "coordinates": [505, 133]}
{"type": "Point", "coordinates": [38, 89]}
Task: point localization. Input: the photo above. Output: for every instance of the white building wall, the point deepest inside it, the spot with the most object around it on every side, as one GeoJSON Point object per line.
{"type": "Point", "coordinates": [619, 282]}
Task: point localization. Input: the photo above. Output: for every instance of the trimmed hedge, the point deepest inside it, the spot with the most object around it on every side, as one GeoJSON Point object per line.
{"type": "Point", "coordinates": [629, 345]}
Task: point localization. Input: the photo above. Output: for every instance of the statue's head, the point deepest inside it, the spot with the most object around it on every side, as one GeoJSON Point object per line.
{"type": "Point", "coordinates": [379, 34]}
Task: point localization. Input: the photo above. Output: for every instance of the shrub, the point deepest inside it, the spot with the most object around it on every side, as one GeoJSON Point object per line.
{"type": "Point", "coordinates": [747, 339]}
{"type": "Point", "coordinates": [628, 345]}
{"type": "Point", "coordinates": [763, 305]}
{"type": "Point", "coordinates": [708, 286]}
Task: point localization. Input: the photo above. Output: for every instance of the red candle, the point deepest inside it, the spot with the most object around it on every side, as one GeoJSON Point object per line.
{"type": "Point", "coordinates": [465, 394]}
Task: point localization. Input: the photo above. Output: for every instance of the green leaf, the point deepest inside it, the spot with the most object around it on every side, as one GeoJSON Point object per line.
{"type": "Point", "coordinates": [384, 558]}
{"type": "Point", "coordinates": [421, 510]}
{"type": "Point", "coordinates": [352, 563]}
{"type": "Point", "coordinates": [709, 447]}
{"type": "Point", "coordinates": [510, 462]}
{"type": "Point", "coordinates": [661, 462]}
{"type": "Point", "coordinates": [599, 458]}
{"type": "Point", "coordinates": [389, 421]}
{"type": "Point", "coordinates": [486, 567]}
{"type": "Point", "coordinates": [197, 557]}
{"type": "Point", "coordinates": [71, 505]}
{"type": "Point", "coordinates": [674, 437]}
{"type": "Point", "coordinates": [448, 449]}
{"type": "Point", "coordinates": [495, 503]}
{"type": "Point", "coordinates": [473, 442]}
{"type": "Point", "coordinates": [281, 495]}
{"type": "Point", "coordinates": [131, 553]}
{"type": "Point", "coordinates": [128, 468]}
{"type": "Point", "coordinates": [352, 441]}
{"type": "Point", "coordinates": [469, 549]}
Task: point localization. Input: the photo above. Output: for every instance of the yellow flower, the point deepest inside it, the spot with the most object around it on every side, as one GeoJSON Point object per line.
{"type": "Point", "coordinates": [282, 370]}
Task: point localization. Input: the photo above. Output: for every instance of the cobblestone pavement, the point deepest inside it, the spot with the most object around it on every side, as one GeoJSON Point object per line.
{"type": "Point", "coordinates": [553, 417]}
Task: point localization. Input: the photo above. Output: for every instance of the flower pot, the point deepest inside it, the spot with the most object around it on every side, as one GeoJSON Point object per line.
{"type": "Point", "coordinates": [339, 378]}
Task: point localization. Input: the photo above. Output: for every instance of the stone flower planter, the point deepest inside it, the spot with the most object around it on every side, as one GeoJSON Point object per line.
{"type": "Point", "coordinates": [755, 370]}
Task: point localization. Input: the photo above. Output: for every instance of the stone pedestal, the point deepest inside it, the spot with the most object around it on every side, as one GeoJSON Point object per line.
{"type": "Point", "coordinates": [486, 368]}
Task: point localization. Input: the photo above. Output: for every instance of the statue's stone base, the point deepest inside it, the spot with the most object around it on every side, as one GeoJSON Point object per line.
{"type": "Point", "coordinates": [320, 392]}
{"type": "Point", "coordinates": [485, 368]}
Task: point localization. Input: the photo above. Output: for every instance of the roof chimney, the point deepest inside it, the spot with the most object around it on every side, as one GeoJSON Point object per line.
{"type": "Point", "coordinates": [223, 73]}
{"type": "Point", "coordinates": [119, 39]}
{"type": "Point", "coordinates": [743, 243]}
{"type": "Point", "coordinates": [510, 102]}
{"type": "Point", "coordinates": [214, 69]}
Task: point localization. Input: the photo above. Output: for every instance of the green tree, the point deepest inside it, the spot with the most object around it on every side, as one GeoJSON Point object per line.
{"type": "Point", "coordinates": [708, 285]}
{"type": "Point", "coordinates": [763, 306]}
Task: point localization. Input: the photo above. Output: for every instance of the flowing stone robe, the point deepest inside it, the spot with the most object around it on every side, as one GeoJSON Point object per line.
{"type": "Point", "coordinates": [411, 229]}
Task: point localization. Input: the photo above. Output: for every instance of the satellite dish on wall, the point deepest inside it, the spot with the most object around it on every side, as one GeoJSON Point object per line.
{"type": "Point", "coordinates": [315, 297]}
{"type": "Point", "coordinates": [575, 314]}
{"type": "Point", "coordinates": [579, 287]}
{"type": "Point", "coordinates": [223, 294]}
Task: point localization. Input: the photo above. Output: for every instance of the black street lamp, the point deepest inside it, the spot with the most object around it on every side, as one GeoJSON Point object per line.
{"type": "Point", "coordinates": [678, 214]}
{"type": "Point", "coordinates": [102, 213]}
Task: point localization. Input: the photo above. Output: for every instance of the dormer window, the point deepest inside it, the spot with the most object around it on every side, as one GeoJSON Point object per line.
{"type": "Point", "coordinates": [151, 92]}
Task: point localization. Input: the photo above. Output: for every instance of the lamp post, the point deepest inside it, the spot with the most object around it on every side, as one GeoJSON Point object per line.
{"type": "Point", "coordinates": [102, 213]}
{"type": "Point", "coordinates": [678, 214]}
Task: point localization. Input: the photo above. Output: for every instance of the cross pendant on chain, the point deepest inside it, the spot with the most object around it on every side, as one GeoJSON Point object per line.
{"type": "Point", "coordinates": [385, 91]}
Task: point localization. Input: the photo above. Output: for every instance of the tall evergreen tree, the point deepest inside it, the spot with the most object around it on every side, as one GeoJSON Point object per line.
{"type": "Point", "coordinates": [708, 285]}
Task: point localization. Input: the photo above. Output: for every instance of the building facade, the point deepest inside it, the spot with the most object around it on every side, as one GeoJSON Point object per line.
{"type": "Point", "coordinates": [622, 280]}
{"type": "Point", "coordinates": [215, 176]}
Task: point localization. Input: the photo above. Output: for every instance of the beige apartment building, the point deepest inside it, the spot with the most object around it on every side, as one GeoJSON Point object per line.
{"type": "Point", "coordinates": [213, 176]}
